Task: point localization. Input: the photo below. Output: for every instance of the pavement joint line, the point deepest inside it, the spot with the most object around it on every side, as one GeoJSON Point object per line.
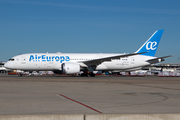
{"type": "Point", "coordinates": [80, 103]}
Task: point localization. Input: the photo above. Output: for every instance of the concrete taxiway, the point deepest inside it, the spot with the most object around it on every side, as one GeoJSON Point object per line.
{"type": "Point", "coordinates": [88, 95]}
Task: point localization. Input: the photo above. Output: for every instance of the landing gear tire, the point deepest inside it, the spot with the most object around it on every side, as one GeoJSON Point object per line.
{"type": "Point", "coordinates": [92, 75]}
{"type": "Point", "coordinates": [20, 74]}
{"type": "Point", "coordinates": [84, 74]}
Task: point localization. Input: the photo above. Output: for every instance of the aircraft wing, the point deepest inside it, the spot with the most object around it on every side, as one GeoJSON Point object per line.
{"type": "Point", "coordinates": [159, 59]}
{"type": "Point", "coordinates": [100, 60]}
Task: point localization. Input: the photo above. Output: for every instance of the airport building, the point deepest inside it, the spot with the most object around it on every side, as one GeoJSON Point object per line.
{"type": "Point", "coordinates": [166, 67]}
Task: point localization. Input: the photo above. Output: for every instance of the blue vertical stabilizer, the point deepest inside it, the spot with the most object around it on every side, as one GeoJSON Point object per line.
{"type": "Point", "coordinates": [151, 45]}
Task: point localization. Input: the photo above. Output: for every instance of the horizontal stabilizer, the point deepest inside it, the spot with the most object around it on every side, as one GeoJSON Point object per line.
{"type": "Point", "coordinates": [159, 59]}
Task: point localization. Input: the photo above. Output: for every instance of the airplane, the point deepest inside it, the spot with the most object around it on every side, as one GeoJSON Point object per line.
{"type": "Point", "coordinates": [2, 68]}
{"type": "Point", "coordinates": [73, 63]}
{"type": "Point", "coordinates": [2, 63]}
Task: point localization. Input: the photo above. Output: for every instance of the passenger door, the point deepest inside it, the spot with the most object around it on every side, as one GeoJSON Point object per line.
{"type": "Point", "coordinates": [23, 60]}
{"type": "Point", "coordinates": [132, 60]}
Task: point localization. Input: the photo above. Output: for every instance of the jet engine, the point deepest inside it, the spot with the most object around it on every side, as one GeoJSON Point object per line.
{"type": "Point", "coordinates": [70, 68]}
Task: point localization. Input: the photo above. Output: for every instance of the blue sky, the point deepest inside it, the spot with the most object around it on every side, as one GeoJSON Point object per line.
{"type": "Point", "coordinates": [87, 26]}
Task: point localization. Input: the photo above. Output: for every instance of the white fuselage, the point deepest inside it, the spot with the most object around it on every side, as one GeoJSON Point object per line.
{"type": "Point", "coordinates": [53, 61]}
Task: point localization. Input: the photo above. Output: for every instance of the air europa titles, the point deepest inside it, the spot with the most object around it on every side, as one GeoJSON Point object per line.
{"type": "Point", "coordinates": [45, 58]}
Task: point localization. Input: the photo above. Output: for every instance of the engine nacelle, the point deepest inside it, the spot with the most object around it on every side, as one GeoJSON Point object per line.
{"type": "Point", "coordinates": [70, 68]}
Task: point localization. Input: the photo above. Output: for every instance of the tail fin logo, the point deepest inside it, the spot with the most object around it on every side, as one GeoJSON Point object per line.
{"type": "Point", "coordinates": [151, 45]}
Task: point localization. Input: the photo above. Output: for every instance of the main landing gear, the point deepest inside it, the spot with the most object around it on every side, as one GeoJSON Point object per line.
{"type": "Point", "coordinates": [20, 74]}
{"type": "Point", "coordinates": [86, 74]}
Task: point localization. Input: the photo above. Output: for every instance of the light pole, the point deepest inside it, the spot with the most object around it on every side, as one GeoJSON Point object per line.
{"type": "Point", "coordinates": [178, 62]}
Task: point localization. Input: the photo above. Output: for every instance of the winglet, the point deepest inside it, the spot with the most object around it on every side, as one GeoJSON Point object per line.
{"type": "Point", "coordinates": [151, 45]}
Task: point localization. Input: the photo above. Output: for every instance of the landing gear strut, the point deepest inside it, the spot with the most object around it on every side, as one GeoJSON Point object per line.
{"type": "Point", "coordinates": [92, 74]}
{"type": "Point", "coordinates": [86, 74]}
{"type": "Point", "coordinates": [20, 74]}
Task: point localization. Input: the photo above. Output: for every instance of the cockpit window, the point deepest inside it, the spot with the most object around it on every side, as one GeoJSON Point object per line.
{"type": "Point", "coordinates": [12, 59]}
